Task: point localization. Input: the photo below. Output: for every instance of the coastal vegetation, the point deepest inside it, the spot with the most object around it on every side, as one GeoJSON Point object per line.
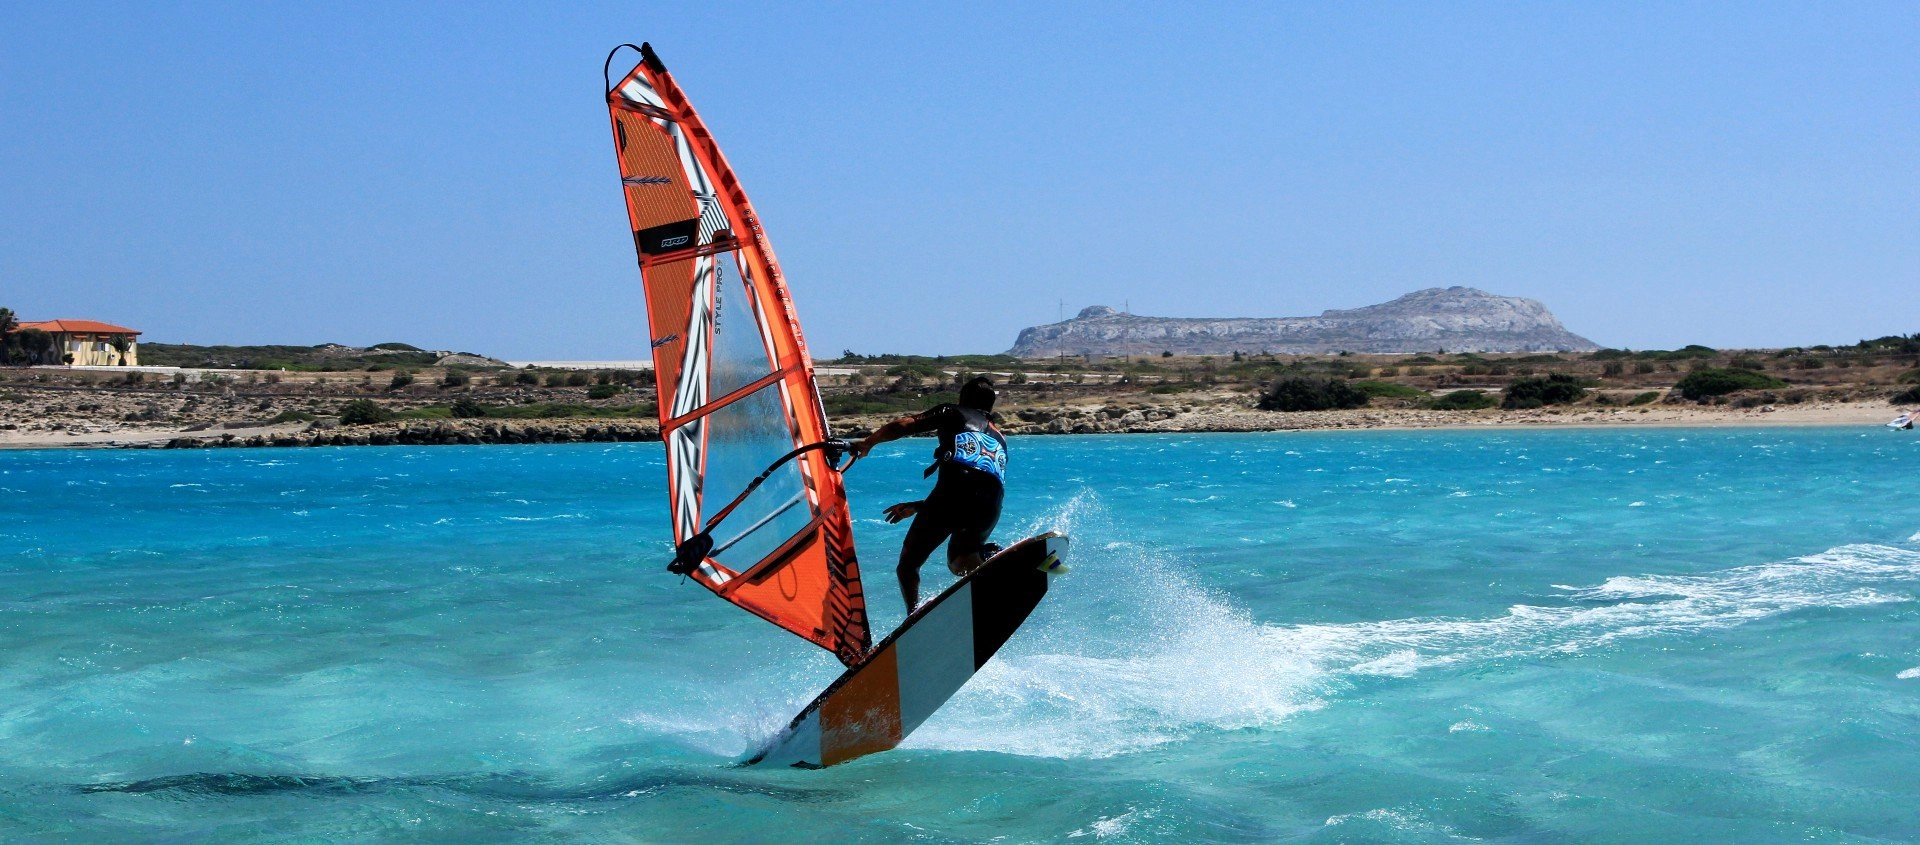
{"type": "Point", "coordinates": [1389, 390]}
{"type": "Point", "coordinates": [322, 358]}
{"type": "Point", "coordinates": [363, 412]}
{"type": "Point", "coordinates": [1145, 392]}
{"type": "Point", "coordinates": [1720, 381]}
{"type": "Point", "coordinates": [1308, 394]}
{"type": "Point", "coordinates": [1551, 389]}
{"type": "Point", "coordinates": [10, 348]}
{"type": "Point", "coordinates": [978, 362]}
{"type": "Point", "coordinates": [470, 409]}
{"type": "Point", "coordinates": [1464, 400]}
{"type": "Point", "coordinates": [884, 402]}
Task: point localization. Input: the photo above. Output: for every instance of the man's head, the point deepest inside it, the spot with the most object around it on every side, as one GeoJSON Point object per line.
{"type": "Point", "coordinates": [977, 394]}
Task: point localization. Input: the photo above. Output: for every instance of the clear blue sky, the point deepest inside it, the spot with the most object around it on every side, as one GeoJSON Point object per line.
{"type": "Point", "coordinates": [936, 178]}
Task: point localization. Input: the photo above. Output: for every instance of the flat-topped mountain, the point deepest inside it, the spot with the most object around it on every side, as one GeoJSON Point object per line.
{"type": "Point", "coordinates": [1456, 319]}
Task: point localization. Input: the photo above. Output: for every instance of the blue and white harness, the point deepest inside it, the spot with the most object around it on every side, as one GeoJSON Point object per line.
{"type": "Point", "coordinates": [982, 451]}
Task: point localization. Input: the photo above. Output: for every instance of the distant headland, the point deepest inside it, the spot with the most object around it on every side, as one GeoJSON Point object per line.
{"type": "Point", "coordinates": [1456, 319]}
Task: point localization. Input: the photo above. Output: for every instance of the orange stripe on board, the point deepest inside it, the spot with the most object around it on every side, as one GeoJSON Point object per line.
{"type": "Point", "coordinates": [862, 717]}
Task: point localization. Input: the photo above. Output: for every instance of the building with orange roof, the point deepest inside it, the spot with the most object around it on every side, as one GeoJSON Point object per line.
{"type": "Point", "coordinates": [87, 343]}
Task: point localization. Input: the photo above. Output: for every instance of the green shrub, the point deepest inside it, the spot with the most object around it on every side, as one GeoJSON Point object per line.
{"type": "Point", "coordinates": [525, 378]}
{"type": "Point", "coordinates": [603, 391]}
{"type": "Point", "coordinates": [578, 379]}
{"type": "Point", "coordinates": [400, 379]}
{"type": "Point", "coordinates": [1305, 394]}
{"type": "Point", "coordinates": [555, 410]}
{"type": "Point", "coordinates": [556, 379]}
{"type": "Point", "coordinates": [455, 378]}
{"type": "Point", "coordinates": [1389, 390]}
{"type": "Point", "coordinates": [1646, 398]}
{"type": "Point", "coordinates": [915, 371]}
{"type": "Point", "coordinates": [1719, 381]}
{"type": "Point", "coordinates": [1463, 400]}
{"type": "Point", "coordinates": [363, 412]}
{"type": "Point", "coordinates": [1909, 377]}
{"type": "Point", "coordinates": [467, 409]}
{"type": "Point", "coordinates": [291, 416]}
{"type": "Point", "coordinates": [1906, 397]}
{"type": "Point", "coordinates": [1552, 389]}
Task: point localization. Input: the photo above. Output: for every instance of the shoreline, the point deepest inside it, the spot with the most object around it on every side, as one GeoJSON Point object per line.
{"type": "Point", "coordinates": [1221, 418]}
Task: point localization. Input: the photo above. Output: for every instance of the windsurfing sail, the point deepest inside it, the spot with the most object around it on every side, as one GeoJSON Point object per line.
{"type": "Point", "coordinates": [736, 388]}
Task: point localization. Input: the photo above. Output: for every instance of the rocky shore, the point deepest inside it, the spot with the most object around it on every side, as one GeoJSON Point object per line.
{"type": "Point", "coordinates": [1200, 417]}
{"type": "Point", "coordinates": [1109, 419]}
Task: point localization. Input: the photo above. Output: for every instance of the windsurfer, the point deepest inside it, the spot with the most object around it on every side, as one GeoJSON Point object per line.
{"type": "Point", "coordinates": [965, 503]}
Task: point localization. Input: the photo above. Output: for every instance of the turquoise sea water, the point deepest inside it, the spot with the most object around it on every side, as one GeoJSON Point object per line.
{"type": "Point", "coordinates": [1572, 636]}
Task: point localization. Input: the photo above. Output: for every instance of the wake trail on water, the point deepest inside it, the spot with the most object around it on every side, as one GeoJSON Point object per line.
{"type": "Point", "coordinates": [1133, 651]}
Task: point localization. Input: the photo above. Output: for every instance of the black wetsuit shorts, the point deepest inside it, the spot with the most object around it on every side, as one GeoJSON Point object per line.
{"type": "Point", "coordinates": [964, 506]}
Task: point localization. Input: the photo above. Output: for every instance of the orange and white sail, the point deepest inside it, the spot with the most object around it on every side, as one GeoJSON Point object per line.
{"type": "Point", "coordinates": [736, 387]}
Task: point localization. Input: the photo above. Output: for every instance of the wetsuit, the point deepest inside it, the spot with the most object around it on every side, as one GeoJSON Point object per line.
{"type": "Point", "coordinates": [965, 502]}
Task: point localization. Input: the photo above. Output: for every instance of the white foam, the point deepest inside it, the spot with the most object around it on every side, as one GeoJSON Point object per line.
{"type": "Point", "coordinates": [1106, 826]}
{"type": "Point", "coordinates": [1131, 651]}
{"type": "Point", "coordinates": [1410, 821]}
{"type": "Point", "coordinates": [1909, 674]}
{"type": "Point", "coordinates": [1184, 659]}
{"type": "Point", "coordinates": [1188, 659]}
{"type": "Point", "coordinates": [1403, 663]}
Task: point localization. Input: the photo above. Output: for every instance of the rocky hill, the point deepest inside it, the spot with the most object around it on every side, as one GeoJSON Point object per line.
{"type": "Point", "coordinates": [1456, 319]}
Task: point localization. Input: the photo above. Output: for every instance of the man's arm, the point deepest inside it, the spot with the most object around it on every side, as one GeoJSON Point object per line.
{"type": "Point", "coordinates": [894, 430]}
